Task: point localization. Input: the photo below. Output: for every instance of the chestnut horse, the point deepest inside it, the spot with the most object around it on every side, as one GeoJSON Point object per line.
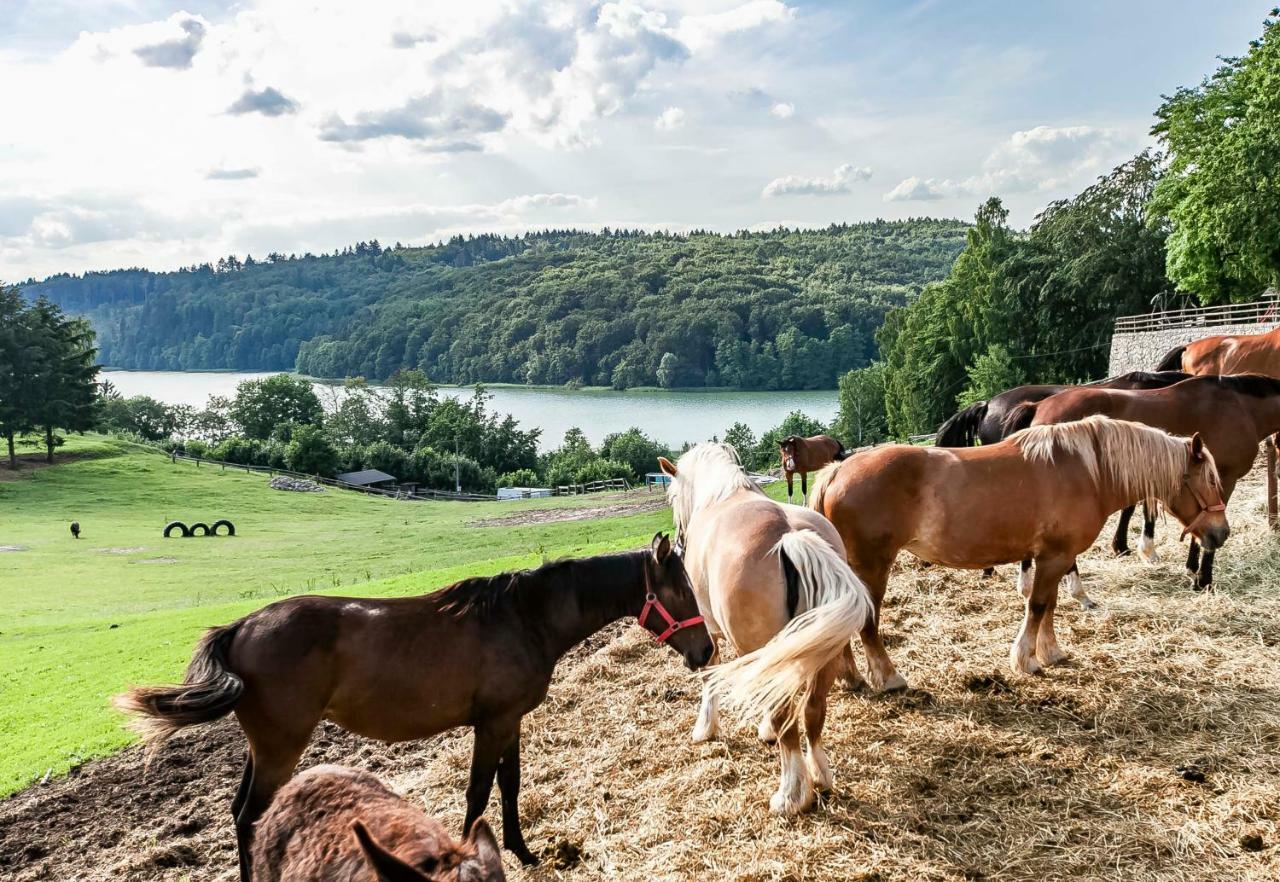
{"type": "Point", "coordinates": [1232, 414]}
{"type": "Point", "coordinates": [1230, 354]}
{"type": "Point", "coordinates": [479, 653]}
{"type": "Point", "coordinates": [805, 455]}
{"type": "Point", "coordinates": [767, 574]}
{"type": "Point", "coordinates": [1043, 493]}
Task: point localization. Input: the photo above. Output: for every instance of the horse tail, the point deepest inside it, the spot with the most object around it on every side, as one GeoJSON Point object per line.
{"type": "Point", "coordinates": [209, 691]}
{"type": "Point", "coordinates": [1172, 360]}
{"type": "Point", "coordinates": [776, 678]}
{"type": "Point", "coordinates": [841, 455]}
{"type": "Point", "coordinates": [821, 481]}
{"type": "Point", "coordinates": [962, 429]}
{"type": "Point", "coordinates": [1018, 418]}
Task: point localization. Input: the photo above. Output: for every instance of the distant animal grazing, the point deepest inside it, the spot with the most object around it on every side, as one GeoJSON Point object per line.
{"type": "Point", "coordinates": [804, 455]}
{"type": "Point", "coordinates": [334, 824]}
{"type": "Point", "coordinates": [1229, 354]}
{"type": "Point", "coordinates": [767, 576]}
{"type": "Point", "coordinates": [479, 653]}
{"type": "Point", "coordinates": [1232, 414]}
{"type": "Point", "coordinates": [75, 529]}
{"type": "Point", "coordinates": [984, 422]}
{"type": "Point", "coordinates": [1042, 494]}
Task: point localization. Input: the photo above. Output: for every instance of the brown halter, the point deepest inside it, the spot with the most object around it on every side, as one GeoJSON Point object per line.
{"type": "Point", "coordinates": [1205, 507]}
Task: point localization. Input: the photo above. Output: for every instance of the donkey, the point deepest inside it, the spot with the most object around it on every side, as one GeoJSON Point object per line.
{"type": "Point", "coordinates": [334, 824]}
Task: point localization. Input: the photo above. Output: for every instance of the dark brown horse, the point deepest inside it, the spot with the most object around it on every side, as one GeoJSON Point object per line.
{"type": "Point", "coordinates": [1232, 414]}
{"type": "Point", "coordinates": [803, 455]}
{"type": "Point", "coordinates": [1043, 494]}
{"type": "Point", "coordinates": [479, 653]}
{"type": "Point", "coordinates": [984, 422]}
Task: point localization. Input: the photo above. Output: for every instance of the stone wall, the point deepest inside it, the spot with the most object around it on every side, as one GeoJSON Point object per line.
{"type": "Point", "coordinates": [1141, 351]}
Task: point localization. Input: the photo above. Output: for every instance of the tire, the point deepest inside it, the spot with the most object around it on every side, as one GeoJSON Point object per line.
{"type": "Point", "coordinates": [223, 522]}
{"type": "Point", "coordinates": [183, 530]}
{"type": "Point", "coordinates": [199, 529]}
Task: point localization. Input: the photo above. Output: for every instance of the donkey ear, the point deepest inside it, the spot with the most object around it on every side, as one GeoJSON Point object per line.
{"type": "Point", "coordinates": [486, 866]}
{"type": "Point", "coordinates": [660, 546]}
{"type": "Point", "coordinates": [386, 865]}
{"type": "Point", "coordinates": [1197, 447]}
{"type": "Point", "coordinates": [668, 467]}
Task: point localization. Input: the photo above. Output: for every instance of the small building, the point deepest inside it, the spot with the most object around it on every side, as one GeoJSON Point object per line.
{"type": "Point", "coordinates": [656, 479]}
{"type": "Point", "coordinates": [366, 478]}
{"type": "Point", "coordinates": [523, 492]}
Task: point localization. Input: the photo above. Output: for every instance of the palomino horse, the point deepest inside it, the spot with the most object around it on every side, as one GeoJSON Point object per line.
{"type": "Point", "coordinates": [761, 569]}
{"type": "Point", "coordinates": [984, 422]}
{"type": "Point", "coordinates": [1232, 414]}
{"type": "Point", "coordinates": [1043, 494]}
{"type": "Point", "coordinates": [479, 653]}
{"type": "Point", "coordinates": [804, 455]}
{"type": "Point", "coordinates": [1234, 354]}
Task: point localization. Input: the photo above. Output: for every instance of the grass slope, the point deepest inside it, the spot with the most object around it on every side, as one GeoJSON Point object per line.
{"type": "Point", "coordinates": [79, 620]}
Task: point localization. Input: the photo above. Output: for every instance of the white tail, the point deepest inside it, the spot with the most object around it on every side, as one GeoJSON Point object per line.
{"type": "Point", "coordinates": [774, 678]}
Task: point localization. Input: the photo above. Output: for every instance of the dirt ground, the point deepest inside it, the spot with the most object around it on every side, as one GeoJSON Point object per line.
{"type": "Point", "coordinates": [1154, 754]}
{"type": "Point", "coordinates": [612, 504]}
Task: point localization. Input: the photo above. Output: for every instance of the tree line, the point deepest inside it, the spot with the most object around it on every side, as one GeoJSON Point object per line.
{"type": "Point", "coordinates": [785, 309]}
{"type": "Point", "coordinates": [48, 372]}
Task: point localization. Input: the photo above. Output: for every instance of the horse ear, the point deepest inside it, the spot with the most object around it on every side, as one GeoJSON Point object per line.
{"type": "Point", "coordinates": [488, 855]}
{"type": "Point", "coordinates": [661, 546]}
{"type": "Point", "coordinates": [386, 865]}
{"type": "Point", "coordinates": [668, 467]}
{"type": "Point", "coordinates": [1197, 447]}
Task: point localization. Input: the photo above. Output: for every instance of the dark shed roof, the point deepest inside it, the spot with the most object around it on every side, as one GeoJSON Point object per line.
{"type": "Point", "coordinates": [365, 478]}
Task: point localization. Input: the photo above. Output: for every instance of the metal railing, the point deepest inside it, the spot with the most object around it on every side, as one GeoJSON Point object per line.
{"type": "Point", "coordinates": [1265, 311]}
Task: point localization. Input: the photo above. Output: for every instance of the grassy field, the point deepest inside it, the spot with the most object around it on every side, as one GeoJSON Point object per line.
{"type": "Point", "coordinates": [79, 620]}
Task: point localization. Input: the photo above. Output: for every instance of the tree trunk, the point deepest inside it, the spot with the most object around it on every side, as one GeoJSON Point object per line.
{"type": "Point", "coordinates": [13, 455]}
{"type": "Point", "coordinates": [48, 443]}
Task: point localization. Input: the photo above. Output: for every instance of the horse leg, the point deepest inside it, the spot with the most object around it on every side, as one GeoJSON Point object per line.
{"type": "Point", "coordinates": [1205, 581]}
{"type": "Point", "coordinates": [1024, 578]}
{"type": "Point", "coordinates": [795, 790]}
{"type": "Point", "coordinates": [708, 724]}
{"type": "Point", "coordinates": [804, 488]}
{"type": "Point", "coordinates": [790, 484]}
{"type": "Point", "coordinates": [509, 786]}
{"type": "Point", "coordinates": [883, 674]}
{"type": "Point", "coordinates": [988, 572]}
{"type": "Point", "coordinates": [1075, 587]}
{"type": "Point", "coordinates": [1047, 650]}
{"type": "Point", "coordinates": [815, 717]}
{"type": "Point", "coordinates": [1120, 543]}
{"type": "Point", "coordinates": [1044, 591]}
{"type": "Point", "coordinates": [1147, 542]}
{"type": "Point", "coordinates": [853, 679]}
{"type": "Point", "coordinates": [1193, 557]}
{"type": "Point", "coordinates": [492, 739]}
{"type": "Point", "coordinates": [268, 770]}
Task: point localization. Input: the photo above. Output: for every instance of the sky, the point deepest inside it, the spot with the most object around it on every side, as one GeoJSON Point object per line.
{"type": "Point", "coordinates": [146, 133]}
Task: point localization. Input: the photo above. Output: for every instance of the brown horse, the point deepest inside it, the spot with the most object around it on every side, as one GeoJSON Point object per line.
{"type": "Point", "coordinates": [1230, 354]}
{"type": "Point", "coordinates": [1232, 414]}
{"type": "Point", "coordinates": [479, 653]}
{"type": "Point", "coordinates": [1043, 494]}
{"type": "Point", "coordinates": [804, 455]}
{"type": "Point", "coordinates": [334, 824]}
{"type": "Point", "coordinates": [766, 574]}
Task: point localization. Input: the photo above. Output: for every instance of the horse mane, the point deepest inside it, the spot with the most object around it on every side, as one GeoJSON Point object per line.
{"type": "Point", "coordinates": [1167, 378]}
{"type": "Point", "coordinates": [1257, 385]}
{"type": "Point", "coordinates": [1142, 461]}
{"type": "Point", "coordinates": [706, 474]}
{"type": "Point", "coordinates": [485, 596]}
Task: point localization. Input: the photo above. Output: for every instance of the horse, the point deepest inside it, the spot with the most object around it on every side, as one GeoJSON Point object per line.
{"type": "Point", "coordinates": [767, 574]}
{"type": "Point", "coordinates": [1227, 354]}
{"type": "Point", "coordinates": [334, 824]}
{"type": "Point", "coordinates": [479, 653]}
{"type": "Point", "coordinates": [1043, 493]}
{"type": "Point", "coordinates": [804, 455]}
{"type": "Point", "coordinates": [1232, 413]}
{"type": "Point", "coordinates": [984, 421]}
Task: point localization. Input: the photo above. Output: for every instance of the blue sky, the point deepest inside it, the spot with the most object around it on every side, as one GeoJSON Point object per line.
{"type": "Point", "coordinates": [161, 134]}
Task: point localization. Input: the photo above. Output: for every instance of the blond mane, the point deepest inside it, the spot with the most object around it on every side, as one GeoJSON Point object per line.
{"type": "Point", "coordinates": [707, 473]}
{"type": "Point", "coordinates": [1141, 461]}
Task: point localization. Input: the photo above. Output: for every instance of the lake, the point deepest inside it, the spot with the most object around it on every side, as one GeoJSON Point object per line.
{"type": "Point", "coordinates": [670, 417]}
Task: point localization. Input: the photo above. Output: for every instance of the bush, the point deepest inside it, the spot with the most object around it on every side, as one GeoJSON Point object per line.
{"type": "Point", "coordinates": [198, 449]}
{"type": "Point", "coordinates": [311, 453]}
{"type": "Point", "coordinates": [385, 457]}
{"type": "Point", "coordinates": [601, 470]}
{"type": "Point", "coordinates": [636, 449]}
{"type": "Point", "coordinates": [519, 478]}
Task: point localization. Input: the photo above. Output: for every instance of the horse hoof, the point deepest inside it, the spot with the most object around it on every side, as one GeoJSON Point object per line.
{"type": "Point", "coordinates": [1088, 603]}
{"type": "Point", "coordinates": [1055, 657]}
{"type": "Point", "coordinates": [1024, 664]}
{"type": "Point", "coordinates": [896, 683]}
{"type": "Point", "coordinates": [1121, 552]}
{"type": "Point", "coordinates": [703, 734]}
{"type": "Point", "coordinates": [782, 804]}
{"type": "Point", "coordinates": [766, 733]}
{"type": "Point", "coordinates": [524, 856]}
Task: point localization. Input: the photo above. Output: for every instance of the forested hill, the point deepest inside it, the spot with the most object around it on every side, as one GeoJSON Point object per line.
{"type": "Point", "coordinates": [777, 310]}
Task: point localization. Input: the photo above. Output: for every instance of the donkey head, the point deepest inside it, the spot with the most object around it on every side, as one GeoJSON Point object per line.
{"type": "Point", "coordinates": [480, 860]}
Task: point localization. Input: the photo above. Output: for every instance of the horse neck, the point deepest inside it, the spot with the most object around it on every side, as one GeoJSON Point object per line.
{"type": "Point", "coordinates": [1265, 411]}
{"type": "Point", "coordinates": [596, 592]}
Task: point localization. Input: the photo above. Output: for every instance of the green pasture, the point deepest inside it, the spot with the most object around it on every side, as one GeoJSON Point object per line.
{"type": "Point", "coordinates": [80, 620]}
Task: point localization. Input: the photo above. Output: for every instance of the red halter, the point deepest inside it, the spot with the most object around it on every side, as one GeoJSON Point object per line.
{"type": "Point", "coordinates": [651, 602]}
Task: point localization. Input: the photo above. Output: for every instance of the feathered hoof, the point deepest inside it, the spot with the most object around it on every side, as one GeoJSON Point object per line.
{"type": "Point", "coordinates": [765, 731]}
{"type": "Point", "coordinates": [1053, 656]}
{"type": "Point", "coordinates": [1023, 662]}
{"type": "Point", "coordinates": [1147, 550]}
{"type": "Point", "coordinates": [1088, 603]}
{"type": "Point", "coordinates": [896, 683]}
{"type": "Point", "coordinates": [790, 804]}
{"type": "Point", "coordinates": [702, 733]}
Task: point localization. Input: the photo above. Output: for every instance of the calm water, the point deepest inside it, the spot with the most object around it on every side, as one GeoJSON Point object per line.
{"type": "Point", "coordinates": [670, 417]}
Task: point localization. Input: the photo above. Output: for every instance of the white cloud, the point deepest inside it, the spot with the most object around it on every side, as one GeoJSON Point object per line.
{"type": "Point", "coordinates": [671, 119]}
{"type": "Point", "coordinates": [794, 185]}
{"type": "Point", "coordinates": [1042, 159]}
{"type": "Point", "coordinates": [783, 110]}
{"type": "Point", "coordinates": [697, 31]}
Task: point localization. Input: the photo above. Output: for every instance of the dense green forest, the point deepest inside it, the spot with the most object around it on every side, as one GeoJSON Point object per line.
{"type": "Point", "coordinates": [786, 309]}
